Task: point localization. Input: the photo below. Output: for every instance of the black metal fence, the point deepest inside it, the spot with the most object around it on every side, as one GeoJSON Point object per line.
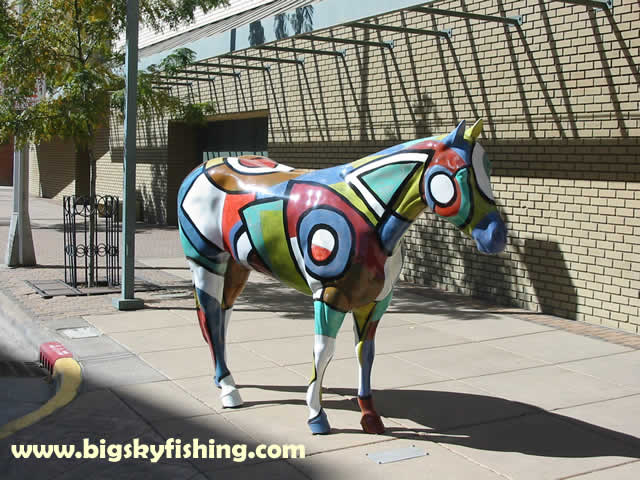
{"type": "Point", "coordinates": [91, 257]}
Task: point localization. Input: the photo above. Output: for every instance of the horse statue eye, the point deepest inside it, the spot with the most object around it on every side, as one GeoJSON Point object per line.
{"type": "Point", "coordinates": [442, 189]}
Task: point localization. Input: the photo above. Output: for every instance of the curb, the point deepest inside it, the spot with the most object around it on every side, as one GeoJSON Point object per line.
{"type": "Point", "coordinates": [14, 316]}
{"type": "Point", "coordinates": [66, 373]}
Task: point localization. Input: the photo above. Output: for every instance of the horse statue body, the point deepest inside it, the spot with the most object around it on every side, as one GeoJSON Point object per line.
{"type": "Point", "coordinates": [333, 234]}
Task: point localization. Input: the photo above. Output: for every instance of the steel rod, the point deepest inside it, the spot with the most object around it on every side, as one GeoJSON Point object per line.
{"type": "Point", "coordinates": [223, 65]}
{"type": "Point", "coordinates": [389, 28]}
{"type": "Point", "coordinates": [601, 4]}
{"type": "Point", "coordinates": [262, 59]}
{"type": "Point", "coordinates": [199, 72]}
{"type": "Point", "coordinates": [178, 84]}
{"type": "Point", "coordinates": [309, 51]}
{"type": "Point", "coordinates": [515, 21]}
{"type": "Point", "coordinates": [348, 41]}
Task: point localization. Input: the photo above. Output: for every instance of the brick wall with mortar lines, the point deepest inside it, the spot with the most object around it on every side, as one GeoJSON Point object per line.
{"type": "Point", "coordinates": [52, 170]}
{"type": "Point", "coordinates": [559, 98]}
{"type": "Point", "coordinates": [560, 102]}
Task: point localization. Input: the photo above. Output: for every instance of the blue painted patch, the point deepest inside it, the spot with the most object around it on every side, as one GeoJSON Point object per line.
{"type": "Point", "coordinates": [319, 424]}
{"type": "Point", "coordinates": [391, 232]}
{"type": "Point", "coordinates": [215, 325]}
{"type": "Point", "coordinates": [327, 176]}
{"type": "Point", "coordinates": [339, 226]}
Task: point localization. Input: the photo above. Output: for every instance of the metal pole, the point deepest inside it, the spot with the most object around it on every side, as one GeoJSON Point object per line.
{"type": "Point", "coordinates": [20, 250]}
{"type": "Point", "coordinates": [127, 301]}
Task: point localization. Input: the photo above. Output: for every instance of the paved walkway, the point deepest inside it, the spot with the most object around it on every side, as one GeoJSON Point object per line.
{"type": "Point", "coordinates": [487, 393]}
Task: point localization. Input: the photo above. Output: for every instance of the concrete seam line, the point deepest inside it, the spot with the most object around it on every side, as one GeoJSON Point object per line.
{"type": "Point", "coordinates": [69, 373]}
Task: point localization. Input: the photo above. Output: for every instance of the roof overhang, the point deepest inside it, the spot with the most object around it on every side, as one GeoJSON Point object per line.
{"type": "Point", "coordinates": [326, 14]}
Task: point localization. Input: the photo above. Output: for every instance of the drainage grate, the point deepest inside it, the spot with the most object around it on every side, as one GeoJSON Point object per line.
{"type": "Point", "coordinates": [53, 288]}
{"type": "Point", "coordinates": [57, 288]}
{"type": "Point", "coordinates": [10, 368]}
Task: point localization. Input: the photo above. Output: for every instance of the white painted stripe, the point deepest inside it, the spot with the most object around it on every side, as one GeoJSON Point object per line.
{"type": "Point", "coordinates": [392, 268]}
{"type": "Point", "coordinates": [314, 285]}
{"type": "Point", "coordinates": [204, 204]}
{"type": "Point", "coordinates": [353, 177]}
{"type": "Point", "coordinates": [206, 281]}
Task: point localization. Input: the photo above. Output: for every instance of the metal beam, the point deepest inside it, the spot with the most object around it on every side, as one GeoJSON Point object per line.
{"type": "Point", "coordinates": [600, 4]}
{"type": "Point", "coordinates": [175, 84]}
{"type": "Point", "coordinates": [200, 72]}
{"type": "Point", "coordinates": [414, 31]}
{"type": "Point", "coordinates": [348, 41]}
{"type": "Point", "coordinates": [262, 59]}
{"type": "Point", "coordinates": [185, 79]}
{"type": "Point", "coordinates": [516, 21]}
{"type": "Point", "coordinates": [307, 51]}
{"type": "Point", "coordinates": [226, 65]}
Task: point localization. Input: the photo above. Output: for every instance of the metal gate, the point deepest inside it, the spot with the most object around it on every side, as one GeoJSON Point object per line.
{"type": "Point", "coordinates": [91, 255]}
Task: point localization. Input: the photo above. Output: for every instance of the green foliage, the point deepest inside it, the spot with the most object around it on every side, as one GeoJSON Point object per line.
{"type": "Point", "coordinates": [70, 45]}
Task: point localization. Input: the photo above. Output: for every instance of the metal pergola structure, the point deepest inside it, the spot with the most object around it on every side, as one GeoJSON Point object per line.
{"type": "Point", "coordinates": [231, 45]}
{"type": "Point", "coordinates": [314, 40]}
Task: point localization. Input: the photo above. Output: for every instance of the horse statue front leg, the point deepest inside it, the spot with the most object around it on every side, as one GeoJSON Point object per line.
{"type": "Point", "coordinates": [327, 323]}
{"type": "Point", "coordinates": [365, 324]}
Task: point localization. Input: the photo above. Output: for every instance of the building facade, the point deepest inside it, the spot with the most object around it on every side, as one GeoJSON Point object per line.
{"type": "Point", "coordinates": [559, 95]}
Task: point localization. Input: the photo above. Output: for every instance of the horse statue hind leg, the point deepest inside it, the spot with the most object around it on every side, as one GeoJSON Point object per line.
{"type": "Point", "coordinates": [215, 294]}
{"type": "Point", "coordinates": [334, 234]}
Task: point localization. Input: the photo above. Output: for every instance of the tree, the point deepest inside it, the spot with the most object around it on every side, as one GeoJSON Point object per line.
{"type": "Point", "coordinates": [70, 45]}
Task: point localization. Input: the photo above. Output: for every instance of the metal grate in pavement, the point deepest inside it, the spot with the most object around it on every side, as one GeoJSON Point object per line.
{"type": "Point", "coordinates": [53, 288]}
{"type": "Point", "coordinates": [57, 288]}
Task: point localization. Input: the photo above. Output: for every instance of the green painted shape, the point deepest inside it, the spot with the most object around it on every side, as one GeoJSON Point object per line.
{"type": "Point", "coordinates": [465, 202]}
{"type": "Point", "coordinates": [345, 190]}
{"type": "Point", "coordinates": [381, 307]}
{"type": "Point", "coordinates": [191, 252]}
{"type": "Point", "coordinates": [265, 225]}
{"type": "Point", "coordinates": [253, 220]}
{"type": "Point", "coordinates": [277, 249]}
{"type": "Point", "coordinates": [327, 320]}
{"type": "Point", "coordinates": [384, 181]}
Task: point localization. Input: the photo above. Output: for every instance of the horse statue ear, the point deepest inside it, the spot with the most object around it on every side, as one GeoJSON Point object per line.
{"type": "Point", "coordinates": [471, 134]}
{"type": "Point", "coordinates": [456, 137]}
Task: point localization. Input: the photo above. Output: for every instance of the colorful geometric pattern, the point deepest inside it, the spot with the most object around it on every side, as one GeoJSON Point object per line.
{"type": "Point", "coordinates": [332, 233]}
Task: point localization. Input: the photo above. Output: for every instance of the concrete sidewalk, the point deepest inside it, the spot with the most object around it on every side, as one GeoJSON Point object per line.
{"type": "Point", "coordinates": [485, 392]}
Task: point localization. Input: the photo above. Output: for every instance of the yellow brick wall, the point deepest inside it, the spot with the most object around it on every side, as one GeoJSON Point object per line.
{"type": "Point", "coordinates": [560, 101]}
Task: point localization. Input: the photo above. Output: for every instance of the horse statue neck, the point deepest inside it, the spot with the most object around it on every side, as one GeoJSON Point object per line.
{"type": "Point", "coordinates": [388, 186]}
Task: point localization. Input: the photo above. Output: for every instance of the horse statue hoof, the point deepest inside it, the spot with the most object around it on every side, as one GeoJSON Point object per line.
{"type": "Point", "coordinates": [372, 424]}
{"type": "Point", "coordinates": [230, 396]}
{"type": "Point", "coordinates": [231, 399]}
{"type": "Point", "coordinates": [319, 424]}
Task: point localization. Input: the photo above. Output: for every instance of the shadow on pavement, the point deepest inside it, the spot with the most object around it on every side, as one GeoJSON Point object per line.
{"type": "Point", "coordinates": [482, 422]}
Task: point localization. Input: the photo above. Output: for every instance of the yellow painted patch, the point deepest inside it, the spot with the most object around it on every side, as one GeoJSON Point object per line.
{"type": "Point", "coordinates": [361, 316]}
{"type": "Point", "coordinates": [214, 162]}
{"type": "Point", "coordinates": [410, 203]}
{"type": "Point", "coordinates": [346, 191]}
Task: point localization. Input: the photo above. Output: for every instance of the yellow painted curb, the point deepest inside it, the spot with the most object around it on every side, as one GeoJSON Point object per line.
{"type": "Point", "coordinates": [70, 375]}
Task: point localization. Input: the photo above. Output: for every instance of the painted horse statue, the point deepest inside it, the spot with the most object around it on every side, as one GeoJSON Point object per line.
{"type": "Point", "coordinates": [334, 234]}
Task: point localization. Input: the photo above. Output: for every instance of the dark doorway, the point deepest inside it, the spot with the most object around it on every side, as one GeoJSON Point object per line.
{"type": "Point", "coordinates": [234, 137]}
